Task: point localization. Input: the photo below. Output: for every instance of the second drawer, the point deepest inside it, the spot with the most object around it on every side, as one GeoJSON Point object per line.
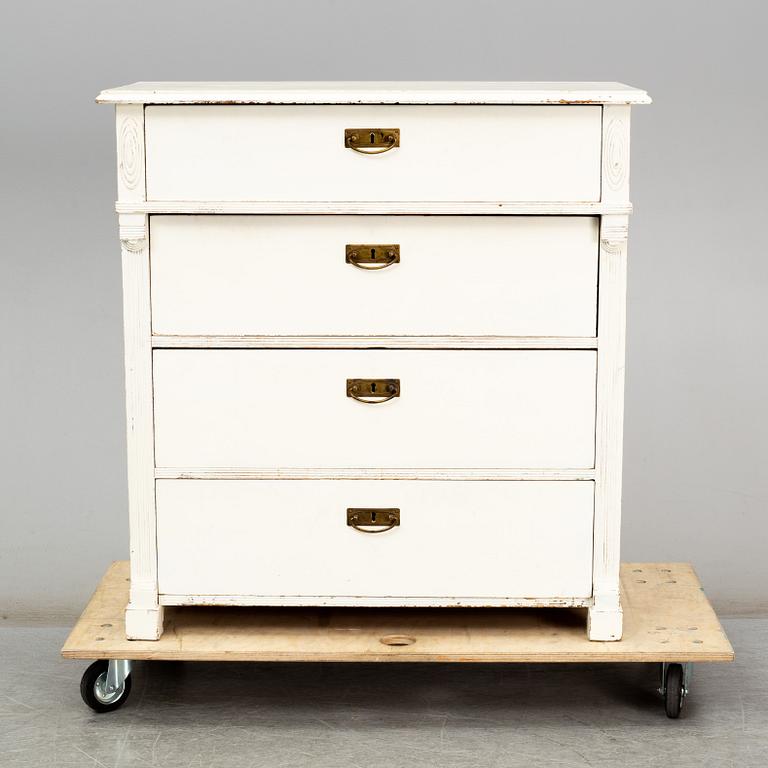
{"type": "Point", "coordinates": [454, 409]}
{"type": "Point", "coordinates": [289, 275]}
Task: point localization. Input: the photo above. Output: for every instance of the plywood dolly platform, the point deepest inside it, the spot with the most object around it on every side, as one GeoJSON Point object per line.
{"type": "Point", "coordinates": [667, 619]}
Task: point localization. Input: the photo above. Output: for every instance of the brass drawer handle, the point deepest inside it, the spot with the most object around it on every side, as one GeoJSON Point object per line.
{"type": "Point", "coordinates": [373, 390]}
{"type": "Point", "coordinates": [371, 141]}
{"type": "Point", "coordinates": [369, 257]}
{"type": "Point", "coordinates": [380, 520]}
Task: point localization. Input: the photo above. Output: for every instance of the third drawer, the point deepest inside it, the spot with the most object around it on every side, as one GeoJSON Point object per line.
{"type": "Point", "coordinates": [454, 408]}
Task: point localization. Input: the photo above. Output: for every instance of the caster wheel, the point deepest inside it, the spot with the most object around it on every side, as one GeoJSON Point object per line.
{"type": "Point", "coordinates": [93, 689]}
{"type": "Point", "coordinates": [675, 692]}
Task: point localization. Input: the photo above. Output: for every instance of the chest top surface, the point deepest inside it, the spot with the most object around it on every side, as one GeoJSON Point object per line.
{"type": "Point", "coordinates": [371, 92]}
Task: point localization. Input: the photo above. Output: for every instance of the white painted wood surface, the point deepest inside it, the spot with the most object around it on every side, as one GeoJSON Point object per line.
{"type": "Point", "coordinates": [163, 341]}
{"type": "Point", "coordinates": [225, 152]}
{"type": "Point", "coordinates": [378, 208]}
{"type": "Point", "coordinates": [605, 616]}
{"type": "Point", "coordinates": [131, 182]}
{"type": "Point", "coordinates": [374, 92]}
{"type": "Point", "coordinates": [144, 615]}
{"type": "Point", "coordinates": [367, 473]}
{"type": "Point", "coordinates": [284, 408]}
{"type": "Point", "coordinates": [615, 155]}
{"type": "Point", "coordinates": [274, 538]}
{"type": "Point", "coordinates": [462, 275]}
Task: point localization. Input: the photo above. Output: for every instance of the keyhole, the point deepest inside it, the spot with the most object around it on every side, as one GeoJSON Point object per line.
{"type": "Point", "coordinates": [373, 137]}
{"type": "Point", "coordinates": [373, 387]}
{"type": "Point", "coordinates": [373, 253]}
{"type": "Point", "coordinates": [373, 517]}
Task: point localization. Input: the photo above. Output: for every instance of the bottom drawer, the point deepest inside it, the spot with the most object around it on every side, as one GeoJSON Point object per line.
{"type": "Point", "coordinates": [247, 542]}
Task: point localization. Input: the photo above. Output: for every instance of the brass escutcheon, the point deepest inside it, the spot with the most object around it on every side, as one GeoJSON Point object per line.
{"type": "Point", "coordinates": [371, 141]}
{"type": "Point", "coordinates": [376, 519]}
{"type": "Point", "coordinates": [370, 256]}
{"type": "Point", "coordinates": [373, 390]}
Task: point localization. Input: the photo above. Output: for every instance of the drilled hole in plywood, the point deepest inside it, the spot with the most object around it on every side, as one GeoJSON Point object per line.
{"type": "Point", "coordinates": [397, 640]}
{"type": "Point", "coordinates": [106, 625]}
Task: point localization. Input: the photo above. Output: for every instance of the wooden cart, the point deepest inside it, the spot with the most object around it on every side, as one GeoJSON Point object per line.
{"type": "Point", "coordinates": [667, 619]}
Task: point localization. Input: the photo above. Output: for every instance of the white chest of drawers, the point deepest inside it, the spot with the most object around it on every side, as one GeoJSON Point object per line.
{"type": "Point", "coordinates": [366, 363]}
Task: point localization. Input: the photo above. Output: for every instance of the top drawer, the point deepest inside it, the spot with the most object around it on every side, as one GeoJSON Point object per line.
{"type": "Point", "coordinates": [445, 153]}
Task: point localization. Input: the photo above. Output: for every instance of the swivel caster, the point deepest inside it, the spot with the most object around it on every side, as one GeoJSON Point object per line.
{"type": "Point", "coordinates": [675, 681]}
{"type": "Point", "coordinates": [106, 685]}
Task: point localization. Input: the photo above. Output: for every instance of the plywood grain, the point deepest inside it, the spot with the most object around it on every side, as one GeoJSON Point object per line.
{"type": "Point", "coordinates": [667, 617]}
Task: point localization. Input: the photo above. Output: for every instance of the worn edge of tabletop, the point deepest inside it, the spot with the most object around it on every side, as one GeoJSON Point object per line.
{"type": "Point", "coordinates": [375, 92]}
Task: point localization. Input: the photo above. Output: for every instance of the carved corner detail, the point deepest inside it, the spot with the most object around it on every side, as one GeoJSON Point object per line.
{"type": "Point", "coordinates": [613, 237]}
{"type": "Point", "coordinates": [133, 238]}
{"type": "Point", "coordinates": [134, 246]}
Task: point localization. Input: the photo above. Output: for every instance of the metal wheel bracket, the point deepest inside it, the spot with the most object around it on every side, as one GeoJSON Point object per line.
{"type": "Point", "coordinates": [117, 671]}
{"type": "Point", "coordinates": [687, 674]}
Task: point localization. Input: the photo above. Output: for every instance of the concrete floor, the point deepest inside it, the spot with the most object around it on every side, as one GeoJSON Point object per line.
{"type": "Point", "coordinates": [366, 716]}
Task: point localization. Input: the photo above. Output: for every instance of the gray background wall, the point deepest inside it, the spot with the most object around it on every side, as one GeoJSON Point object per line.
{"type": "Point", "coordinates": [695, 452]}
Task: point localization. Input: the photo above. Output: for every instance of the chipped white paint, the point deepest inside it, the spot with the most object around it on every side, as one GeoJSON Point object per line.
{"type": "Point", "coordinates": [372, 92]}
{"type": "Point", "coordinates": [356, 601]}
